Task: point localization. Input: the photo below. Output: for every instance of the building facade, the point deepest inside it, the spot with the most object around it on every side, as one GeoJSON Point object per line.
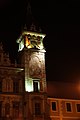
{"type": "Point", "coordinates": [23, 90]}
{"type": "Point", "coordinates": [23, 87]}
{"type": "Point", "coordinates": [64, 109]}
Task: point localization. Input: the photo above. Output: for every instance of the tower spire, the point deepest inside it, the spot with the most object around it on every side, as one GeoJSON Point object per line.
{"type": "Point", "coordinates": [30, 24]}
{"type": "Point", "coordinates": [28, 19]}
{"type": "Point", "coordinates": [29, 9]}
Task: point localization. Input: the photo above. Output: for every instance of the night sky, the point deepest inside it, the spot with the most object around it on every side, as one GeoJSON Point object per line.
{"type": "Point", "coordinates": [60, 21]}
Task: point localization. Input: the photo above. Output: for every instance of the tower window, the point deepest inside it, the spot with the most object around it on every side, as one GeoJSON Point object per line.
{"type": "Point", "coordinates": [68, 107]}
{"type": "Point", "coordinates": [78, 107]}
{"type": "Point", "coordinates": [36, 85]}
{"type": "Point", "coordinates": [37, 109]}
{"type": "Point", "coordinates": [54, 106]}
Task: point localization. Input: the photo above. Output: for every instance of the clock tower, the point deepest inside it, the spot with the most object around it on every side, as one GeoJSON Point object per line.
{"type": "Point", "coordinates": [32, 58]}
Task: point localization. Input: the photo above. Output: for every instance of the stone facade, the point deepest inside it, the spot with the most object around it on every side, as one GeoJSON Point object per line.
{"type": "Point", "coordinates": [23, 94]}
{"type": "Point", "coordinates": [11, 88]}
{"type": "Point", "coordinates": [23, 88]}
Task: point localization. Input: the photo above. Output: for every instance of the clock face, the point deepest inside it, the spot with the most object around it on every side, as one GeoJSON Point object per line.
{"type": "Point", "coordinates": [34, 67]}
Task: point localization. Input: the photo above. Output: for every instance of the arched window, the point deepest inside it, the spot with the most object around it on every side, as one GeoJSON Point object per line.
{"type": "Point", "coordinates": [7, 109]}
{"type": "Point", "coordinates": [15, 86]}
{"type": "Point", "coordinates": [36, 85]}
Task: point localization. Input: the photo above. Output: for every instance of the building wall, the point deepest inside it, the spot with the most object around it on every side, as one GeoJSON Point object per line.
{"type": "Point", "coordinates": [59, 110]}
{"type": "Point", "coordinates": [11, 89]}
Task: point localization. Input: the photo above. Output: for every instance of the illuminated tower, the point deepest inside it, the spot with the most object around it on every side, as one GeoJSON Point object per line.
{"type": "Point", "coordinates": [32, 58]}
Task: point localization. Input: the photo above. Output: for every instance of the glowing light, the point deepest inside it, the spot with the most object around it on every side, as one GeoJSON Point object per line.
{"type": "Point", "coordinates": [34, 33]}
{"type": "Point", "coordinates": [32, 40]}
{"type": "Point", "coordinates": [41, 46]}
{"type": "Point", "coordinates": [28, 88]}
{"type": "Point", "coordinates": [29, 85]}
{"type": "Point", "coordinates": [27, 42]}
{"type": "Point", "coordinates": [21, 45]}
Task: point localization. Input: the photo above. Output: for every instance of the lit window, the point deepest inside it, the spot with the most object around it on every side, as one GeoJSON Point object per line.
{"type": "Point", "coordinates": [68, 107]}
{"type": "Point", "coordinates": [37, 109]}
{"type": "Point", "coordinates": [54, 106]}
{"type": "Point", "coordinates": [78, 107]}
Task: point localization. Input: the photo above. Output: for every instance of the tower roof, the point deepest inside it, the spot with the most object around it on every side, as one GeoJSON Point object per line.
{"type": "Point", "coordinates": [30, 24]}
{"type": "Point", "coordinates": [31, 36]}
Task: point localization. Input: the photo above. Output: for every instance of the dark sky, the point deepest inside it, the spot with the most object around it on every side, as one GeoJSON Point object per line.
{"type": "Point", "coordinates": [61, 23]}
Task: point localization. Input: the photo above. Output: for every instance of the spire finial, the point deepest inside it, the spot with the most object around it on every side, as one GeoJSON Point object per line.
{"type": "Point", "coordinates": [30, 22]}
{"type": "Point", "coordinates": [28, 8]}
